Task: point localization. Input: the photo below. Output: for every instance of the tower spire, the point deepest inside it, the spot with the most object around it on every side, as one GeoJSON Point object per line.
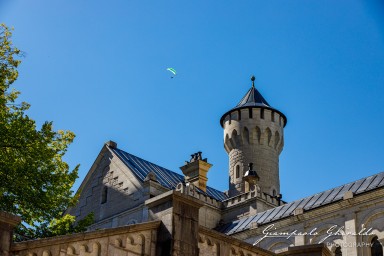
{"type": "Point", "coordinates": [253, 133]}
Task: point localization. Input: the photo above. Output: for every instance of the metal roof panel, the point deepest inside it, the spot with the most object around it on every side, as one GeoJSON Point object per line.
{"type": "Point", "coordinates": [169, 179]}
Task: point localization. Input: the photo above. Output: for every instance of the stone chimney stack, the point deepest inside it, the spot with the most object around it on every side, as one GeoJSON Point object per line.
{"type": "Point", "coordinates": [195, 171]}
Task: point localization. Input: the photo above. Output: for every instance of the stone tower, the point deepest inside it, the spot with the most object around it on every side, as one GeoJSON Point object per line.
{"type": "Point", "coordinates": [253, 133]}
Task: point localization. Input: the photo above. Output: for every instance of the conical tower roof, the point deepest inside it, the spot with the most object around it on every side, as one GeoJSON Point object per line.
{"type": "Point", "coordinates": [253, 99]}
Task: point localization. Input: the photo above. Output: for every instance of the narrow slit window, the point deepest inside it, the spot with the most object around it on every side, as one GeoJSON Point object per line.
{"type": "Point", "coordinates": [104, 195]}
{"type": "Point", "coordinates": [250, 113]}
{"type": "Point", "coordinates": [262, 113]}
{"type": "Point", "coordinates": [237, 172]}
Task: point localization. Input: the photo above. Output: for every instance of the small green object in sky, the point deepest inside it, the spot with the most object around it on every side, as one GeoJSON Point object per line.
{"type": "Point", "coordinates": [173, 72]}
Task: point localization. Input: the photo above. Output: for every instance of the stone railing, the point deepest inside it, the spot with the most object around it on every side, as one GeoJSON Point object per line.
{"type": "Point", "coordinates": [139, 239]}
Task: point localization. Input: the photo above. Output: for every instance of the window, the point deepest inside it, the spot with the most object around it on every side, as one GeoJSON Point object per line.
{"type": "Point", "coordinates": [250, 113]}
{"type": "Point", "coordinates": [237, 171]}
{"type": "Point", "coordinates": [262, 113]}
{"type": "Point", "coordinates": [273, 116]}
{"type": "Point", "coordinates": [338, 251]}
{"type": "Point", "coordinates": [104, 195]}
{"type": "Point", "coordinates": [239, 114]}
{"type": "Point", "coordinates": [274, 192]}
{"type": "Point", "coordinates": [376, 247]}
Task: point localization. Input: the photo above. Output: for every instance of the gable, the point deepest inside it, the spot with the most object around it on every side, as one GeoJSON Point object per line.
{"type": "Point", "coordinates": [109, 188]}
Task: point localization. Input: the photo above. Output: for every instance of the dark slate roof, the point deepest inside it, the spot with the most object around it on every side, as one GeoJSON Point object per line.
{"type": "Point", "coordinates": [253, 99]}
{"type": "Point", "coordinates": [165, 177]}
{"type": "Point", "coordinates": [308, 203]}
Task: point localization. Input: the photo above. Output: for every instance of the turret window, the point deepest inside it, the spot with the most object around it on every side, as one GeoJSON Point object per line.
{"type": "Point", "coordinates": [273, 116]}
{"type": "Point", "coordinates": [237, 172]}
{"type": "Point", "coordinates": [376, 247]}
{"type": "Point", "coordinates": [239, 114]}
{"type": "Point", "coordinates": [262, 113]}
{"type": "Point", "coordinates": [250, 113]}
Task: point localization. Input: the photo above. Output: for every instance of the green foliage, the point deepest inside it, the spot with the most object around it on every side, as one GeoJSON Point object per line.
{"type": "Point", "coordinates": [66, 225]}
{"type": "Point", "coordinates": [35, 182]}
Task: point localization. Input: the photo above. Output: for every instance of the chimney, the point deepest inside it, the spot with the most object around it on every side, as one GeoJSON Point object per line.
{"type": "Point", "coordinates": [195, 171]}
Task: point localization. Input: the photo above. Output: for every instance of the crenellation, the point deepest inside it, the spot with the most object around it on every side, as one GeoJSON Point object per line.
{"type": "Point", "coordinates": [190, 189]}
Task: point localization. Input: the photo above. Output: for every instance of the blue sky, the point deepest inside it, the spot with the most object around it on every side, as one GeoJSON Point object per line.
{"type": "Point", "coordinates": [98, 68]}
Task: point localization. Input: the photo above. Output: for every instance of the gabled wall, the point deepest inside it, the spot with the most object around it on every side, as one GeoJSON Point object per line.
{"type": "Point", "coordinates": [112, 192]}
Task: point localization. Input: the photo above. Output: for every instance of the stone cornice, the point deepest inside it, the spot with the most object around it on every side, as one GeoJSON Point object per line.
{"type": "Point", "coordinates": [173, 195]}
{"type": "Point", "coordinates": [307, 249]}
{"type": "Point", "coordinates": [9, 218]}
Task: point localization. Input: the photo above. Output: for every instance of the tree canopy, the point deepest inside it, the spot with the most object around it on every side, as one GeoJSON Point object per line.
{"type": "Point", "coordinates": [35, 182]}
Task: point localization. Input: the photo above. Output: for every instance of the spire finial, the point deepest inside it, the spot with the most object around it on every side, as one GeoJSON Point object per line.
{"type": "Point", "coordinates": [253, 81]}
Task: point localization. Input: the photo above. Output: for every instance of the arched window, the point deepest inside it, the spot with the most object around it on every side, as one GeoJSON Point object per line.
{"type": "Point", "coordinates": [376, 247]}
{"type": "Point", "coordinates": [104, 195]}
{"type": "Point", "coordinates": [237, 171]}
{"type": "Point", "coordinates": [338, 251]}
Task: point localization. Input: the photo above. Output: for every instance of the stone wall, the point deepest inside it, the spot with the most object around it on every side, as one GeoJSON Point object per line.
{"type": "Point", "coordinates": [138, 239]}
{"type": "Point", "coordinates": [212, 243]}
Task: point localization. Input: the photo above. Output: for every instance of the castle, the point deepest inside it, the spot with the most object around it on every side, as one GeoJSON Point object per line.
{"type": "Point", "coordinates": [144, 209]}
